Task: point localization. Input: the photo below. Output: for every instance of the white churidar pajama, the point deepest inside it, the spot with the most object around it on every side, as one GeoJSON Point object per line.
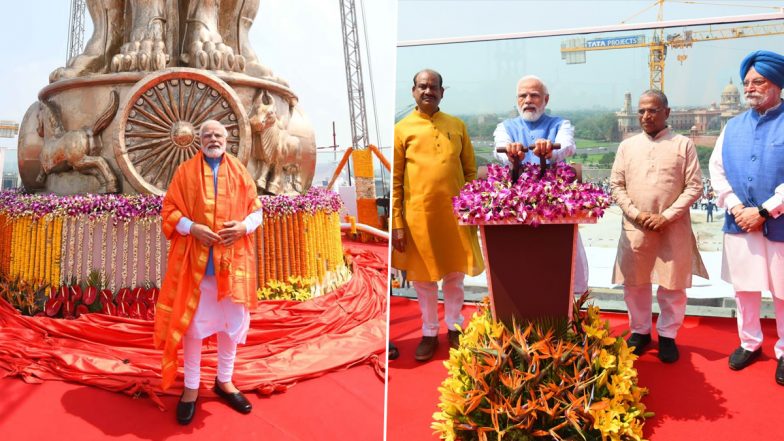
{"type": "Point", "coordinates": [427, 294]}
{"type": "Point", "coordinates": [750, 262]}
{"type": "Point", "coordinates": [672, 303]}
{"type": "Point", "coordinates": [229, 320]}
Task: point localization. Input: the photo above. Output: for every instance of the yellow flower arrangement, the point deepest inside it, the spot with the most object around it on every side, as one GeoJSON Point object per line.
{"type": "Point", "coordinates": [540, 382]}
{"type": "Point", "coordinates": [296, 288]}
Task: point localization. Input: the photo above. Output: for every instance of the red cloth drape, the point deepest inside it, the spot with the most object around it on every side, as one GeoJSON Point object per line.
{"type": "Point", "coordinates": [288, 341]}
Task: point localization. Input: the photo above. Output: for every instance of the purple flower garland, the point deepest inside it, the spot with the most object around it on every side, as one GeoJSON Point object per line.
{"type": "Point", "coordinates": [121, 208]}
{"type": "Point", "coordinates": [557, 196]}
{"type": "Point", "coordinates": [316, 199]}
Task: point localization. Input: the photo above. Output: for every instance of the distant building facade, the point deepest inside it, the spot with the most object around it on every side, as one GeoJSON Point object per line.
{"type": "Point", "coordinates": [702, 123]}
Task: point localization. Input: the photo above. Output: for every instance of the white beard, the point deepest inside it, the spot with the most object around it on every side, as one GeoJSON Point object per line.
{"type": "Point", "coordinates": [211, 153]}
{"type": "Point", "coordinates": [757, 100]}
{"type": "Point", "coordinates": [529, 116]}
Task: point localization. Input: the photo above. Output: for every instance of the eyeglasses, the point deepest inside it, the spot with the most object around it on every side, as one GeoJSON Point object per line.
{"type": "Point", "coordinates": [756, 82]}
{"type": "Point", "coordinates": [653, 111]}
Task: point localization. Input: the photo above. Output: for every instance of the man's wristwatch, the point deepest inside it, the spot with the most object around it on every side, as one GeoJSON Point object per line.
{"type": "Point", "coordinates": [763, 212]}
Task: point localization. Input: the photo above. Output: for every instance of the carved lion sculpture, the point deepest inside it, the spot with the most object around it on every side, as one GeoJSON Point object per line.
{"type": "Point", "coordinates": [150, 35]}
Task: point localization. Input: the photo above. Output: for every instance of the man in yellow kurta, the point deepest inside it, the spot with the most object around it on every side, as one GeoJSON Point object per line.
{"type": "Point", "coordinates": [208, 213]}
{"type": "Point", "coordinates": [433, 159]}
{"type": "Point", "coordinates": [655, 179]}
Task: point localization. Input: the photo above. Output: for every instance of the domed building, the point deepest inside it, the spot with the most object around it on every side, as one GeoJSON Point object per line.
{"type": "Point", "coordinates": [730, 98]}
{"type": "Point", "coordinates": [697, 122]}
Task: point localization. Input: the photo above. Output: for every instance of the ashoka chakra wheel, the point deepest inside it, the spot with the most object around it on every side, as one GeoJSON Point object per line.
{"type": "Point", "coordinates": [159, 126]}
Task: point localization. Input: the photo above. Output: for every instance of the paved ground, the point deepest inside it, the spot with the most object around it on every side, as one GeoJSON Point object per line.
{"type": "Point", "coordinates": [707, 297]}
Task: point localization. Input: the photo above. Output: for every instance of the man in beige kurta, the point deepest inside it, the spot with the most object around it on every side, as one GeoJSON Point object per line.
{"type": "Point", "coordinates": [433, 159]}
{"type": "Point", "coordinates": [655, 179]}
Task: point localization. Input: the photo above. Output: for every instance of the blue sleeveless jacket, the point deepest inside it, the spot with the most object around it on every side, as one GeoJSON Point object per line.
{"type": "Point", "coordinates": [526, 132]}
{"type": "Point", "coordinates": [753, 157]}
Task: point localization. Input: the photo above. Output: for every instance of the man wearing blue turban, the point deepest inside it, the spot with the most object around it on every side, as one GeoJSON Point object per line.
{"type": "Point", "coordinates": [747, 172]}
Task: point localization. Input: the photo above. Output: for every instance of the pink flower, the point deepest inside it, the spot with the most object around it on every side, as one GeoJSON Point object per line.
{"type": "Point", "coordinates": [530, 200]}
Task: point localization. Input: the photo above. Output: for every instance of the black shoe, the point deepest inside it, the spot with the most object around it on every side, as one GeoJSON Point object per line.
{"type": "Point", "coordinates": [185, 412]}
{"type": "Point", "coordinates": [235, 400]}
{"type": "Point", "coordinates": [780, 372]}
{"type": "Point", "coordinates": [740, 358]}
{"type": "Point", "coordinates": [639, 341]}
{"type": "Point", "coordinates": [426, 349]}
{"type": "Point", "coordinates": [668, 352]}
{"type": "Point", "coordinates": [454, 338]}
{"type": "Point", "coordinates": [393, 352]}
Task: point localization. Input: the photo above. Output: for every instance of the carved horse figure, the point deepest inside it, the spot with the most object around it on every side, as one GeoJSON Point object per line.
{"type": "Point", "coordinates": [75, 149]}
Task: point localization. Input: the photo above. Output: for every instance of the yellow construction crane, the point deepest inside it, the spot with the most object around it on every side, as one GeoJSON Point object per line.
{"type": "Point", "coordinates": [573, 50]}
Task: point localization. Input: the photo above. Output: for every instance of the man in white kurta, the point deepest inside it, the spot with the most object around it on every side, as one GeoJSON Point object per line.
{"type": "Point", "coordinates": [538, 131]}
{"type": "Point", "coordinates": [747, 172]}
{"type": "Point", "coordinates": [655, 179]}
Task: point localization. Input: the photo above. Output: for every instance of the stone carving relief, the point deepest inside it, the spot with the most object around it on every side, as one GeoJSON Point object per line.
{"type": "Point", "coordinates": [149, 35]}
{"type": "Point", "coordinates": [161, 123]}
{"type": "Point", "coordinates": [79, 149]}
{"type": "Point", "coordinates": [277, 155]}
{"type": "Point", "coordinates": [169, 65]}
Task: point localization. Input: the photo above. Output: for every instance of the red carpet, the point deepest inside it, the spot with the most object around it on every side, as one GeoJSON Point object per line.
{"type": "Point", "coordinates": [343, 405]}
{"type": "Point", "coordinates": [697, 398]}
{"type": "Point", "coordinates": [288, 342]}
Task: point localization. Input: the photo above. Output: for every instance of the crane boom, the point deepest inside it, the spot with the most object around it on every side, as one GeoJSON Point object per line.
{"type": "Point", "coordinates": [573, 50]}
{"type": "Point", "coordinates": [354, 79]}
{"type": "Point", "coordinates": [688, 37]}
{"type": "Point", "coordinates": [75, 30]}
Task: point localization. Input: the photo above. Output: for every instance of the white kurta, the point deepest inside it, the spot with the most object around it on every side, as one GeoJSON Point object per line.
{"type": "Point", "coordinates": [750, 262]}
{"type": "Point", "coordinates": [564, 137]}
{"type": "Point", "coordinates": [213, 316]}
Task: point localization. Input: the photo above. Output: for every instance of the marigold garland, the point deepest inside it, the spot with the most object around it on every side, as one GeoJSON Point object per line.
{"type": "Point", "coordinates": [158, 275]}
{"type": "Point", "coordinates": [79, 251]}
{"type": "Point", "coordinates": [113, 259]}
{"type": "Point", "coordinates": [57, 246]}
{"type": "Point", "coordinates": [147, 254]}
{"type": "Point", "coordinates": [90, 245]}
{"type": "Point", "coordinates": [285, 246]}
{"type": "Point", "coordinates": [260, 256]}
{"type": "Point", "coordinates": [47, 267]}
{"type": "Point", "coordinates": [300, 228]}
{"type": "Point", "coordinates": [43, 237]}
{"type": "Point", "coordinates": [126, 241]}
{"type": "Point", "coordinates": [135, 259]}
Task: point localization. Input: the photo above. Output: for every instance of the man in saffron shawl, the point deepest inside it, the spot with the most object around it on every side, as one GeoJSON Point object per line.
{"type": "Point", "coordinates": [747, 172]}
{"type": "Point", "coordinates": [209, 213]}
